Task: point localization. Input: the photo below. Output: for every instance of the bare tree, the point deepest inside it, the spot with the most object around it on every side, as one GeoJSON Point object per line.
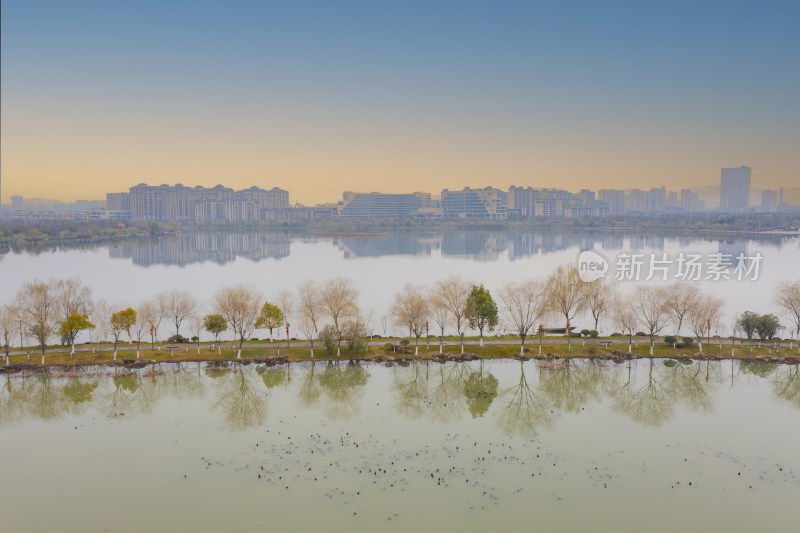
{"type": "Point", "coordinates": [650, 306]}
{"type": "Point", "coordinates": [410, 310]}
{"type": "Point", "coordinates": [566, 294]}
{"type": "Point", "coordinates": [440, 312]}
{"type": "Point", "coordinates": [788, 299]}
{"type": "Point", "coordinates": [523, 304]}
{"type": "Point", "coordinates": [177, 306]}
{"type": "Point", "coordinates": [703, 314]}
{"type": "Point", "coordinates": [102, 319]}
{"type": "Point", "coordinates": [681, 298]}
{"type": "Point", "coordinates": [7, 323]}
{"type": "Point", "coordinates": [454, 293]}
{"type": "Point", "coordinates": [196, 326]}
{"type": "Point", "coordinates": [37, 304]}
{"type": "Point", "coordinates": [310, 310]}
{"type": "Point", "coordinates": [241, 306]}
{"type": "Point", "coordinates": [286, 303]}
{"type": "Point", "coordinates": [72, 298]}
{"type": "Point", "coordinates": [141, 328]}
{"type": "Point", "coordinates": [599, 297]}
{"type": "Point", "coordinates": [625, 318]}
{"type": "Point", "coordinates": [150, 312]}
{"type": "Point", "coordinates": [339, 304]}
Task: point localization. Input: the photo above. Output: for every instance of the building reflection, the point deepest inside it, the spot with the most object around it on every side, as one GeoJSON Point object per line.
{"type": "Point", "coordinates": [477, 245]}
{"type": "Point", "coordinates": [190, 248]}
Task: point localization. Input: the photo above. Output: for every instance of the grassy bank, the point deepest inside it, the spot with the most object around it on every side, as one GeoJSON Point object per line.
{"type": "Point", "coordinates": [188, 353]}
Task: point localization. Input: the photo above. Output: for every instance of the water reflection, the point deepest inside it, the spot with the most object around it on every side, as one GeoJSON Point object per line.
{"type": "Point", "coordinates": [343, 385]}
{"type": "Point", "coordinates": [221, 248]}
{"type": "Point", "coordinates": [480, 390]}
{"type": "Point", "coordinates": [241, 403]}
{"type": "Point", "coordinates": [523, 409]}
{"type": "Point", "coordinates": [410, 388]}
{"type": "Point", "coordinates": [191, 248]}
{"type": "Point", "coordinates": [522, 398]}
{"type": "Point", "coordinates": [786, 384]}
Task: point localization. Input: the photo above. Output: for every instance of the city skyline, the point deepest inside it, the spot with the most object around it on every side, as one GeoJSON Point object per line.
{"type": "Point", "coordinates": [318, 98]}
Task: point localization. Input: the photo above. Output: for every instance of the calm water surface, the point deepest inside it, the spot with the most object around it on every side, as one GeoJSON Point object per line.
{"type": "Point", "coordinates": [428, 447]}
{"type": "Point", "coordinates": [125, 273]}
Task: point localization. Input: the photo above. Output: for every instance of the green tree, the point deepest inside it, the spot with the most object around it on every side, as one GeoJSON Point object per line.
{"type": "Point", "coordinates": [215, 324]}
{"type": "Point", "coordinates": [122, 321]}
{"type": "Point", "coordinates": [73, 325]}
{"type": "Point", "coordinates": [748, 322]}
{"type": "Point", "coordinates": [271, 317]}
{"type": "Point", "coordinates": [481, 310]}
{"type": "Point", "coordinates": [767, 326]}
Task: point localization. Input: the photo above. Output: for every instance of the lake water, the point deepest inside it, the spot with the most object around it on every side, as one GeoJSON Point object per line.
{"type": "Point", "coordinates": [656, 446]}
{"type": "Point", "coordinates": [125, 273]}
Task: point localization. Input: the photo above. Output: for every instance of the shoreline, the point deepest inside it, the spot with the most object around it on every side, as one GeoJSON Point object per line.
{"type": "Point", "coordinates": [554, 361]}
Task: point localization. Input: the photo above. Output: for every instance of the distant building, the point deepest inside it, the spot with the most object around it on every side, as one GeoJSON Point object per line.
{"type": "Point", "coordinates": [689, 200]}
{"type": "Point", "coordinates": [17, 203]}
{"type": "Point", "coordinates": [379, 205]}
{"type": "Point", "coordinates": [118, 205]}
{"type": "Point", "coordinates": [475, 203]}
{"type": "Point", "coordinates": [735, 189]}
{"type": "Point", "coordinates": [770, 201]}
{"type": "Point", "coordinates": [637, 201]}
{"type": "Point", "coordinates": [615, 198]}
{"type": "Point", "coordinates": [554, 203]}
{"type": "Point", "coordinates": [656, 200]}
{"type": "Point", "coordinates": [672, 200]}
{"type": "Point", "coordinates": [178, 202]}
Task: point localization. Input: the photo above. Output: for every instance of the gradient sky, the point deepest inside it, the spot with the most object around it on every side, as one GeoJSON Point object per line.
{"type": "Point", "coordinates": [321, 97]}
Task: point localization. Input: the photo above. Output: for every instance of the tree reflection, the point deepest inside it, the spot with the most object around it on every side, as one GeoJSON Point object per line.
{"type": "Point", "coordinates": [410, 385]}
{"type": "Point", "coordinates": [79, 392]}
{"type": "Point", "coordinates": [571, 387]}
{"type": "Point", "coordinates": [343, 388]}
{"type": "Point", "coordinates": [757, 368]}
{"type": "Point", "coordinates": [649, 405]}
{"type": "Point", "coordinates": [522, 409]}
{"type": "Point", "coordinates": [446, 396]}
{"type": "Point", "coordinates": [13, 398]}
{"type": "Point", "coordinates": [688, 382]}
{"type": "Point", "coordinates": [273, 376]}
{"type": "Point", "coordinates": [480, 391]}
{"type": "Point", "coordinates": [241, 404]}
{"type": "Point", "coordinates": [786, 384]}
{"type": "Point", "coordinates": [129, 395]}
{"type": "Point", "coordinates": [182, 381]}
{"type": "Point", "coordinates": [310, 390]}
{"type": "Point", "coordinates": [44, 399]}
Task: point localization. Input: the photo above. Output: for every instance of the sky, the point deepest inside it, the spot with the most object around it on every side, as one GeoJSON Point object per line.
{"type": "Point", "coordinates": [322, 97]}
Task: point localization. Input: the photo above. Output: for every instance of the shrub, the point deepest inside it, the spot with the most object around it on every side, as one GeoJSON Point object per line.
{"type": "Point", "coordinates": [669, 339]}
{"type": "Point", "coordinates": [593, 333]}
{"type": "Point", "coordinates": [327, 336]}
{"type": "Point", "coordinates": [584, 332]}
{"type": "Point", "coordinates": [177, 338]}
{"type": "Point", "coordinates": [389, 347]}
{"type": "Point", "coordinates": [356, 334]}
{"type": "Point", "coordinates": [687, 341]}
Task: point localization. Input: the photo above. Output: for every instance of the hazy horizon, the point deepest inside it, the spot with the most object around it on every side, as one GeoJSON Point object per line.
{"type": "Point", "coordinates": [318, 98]}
